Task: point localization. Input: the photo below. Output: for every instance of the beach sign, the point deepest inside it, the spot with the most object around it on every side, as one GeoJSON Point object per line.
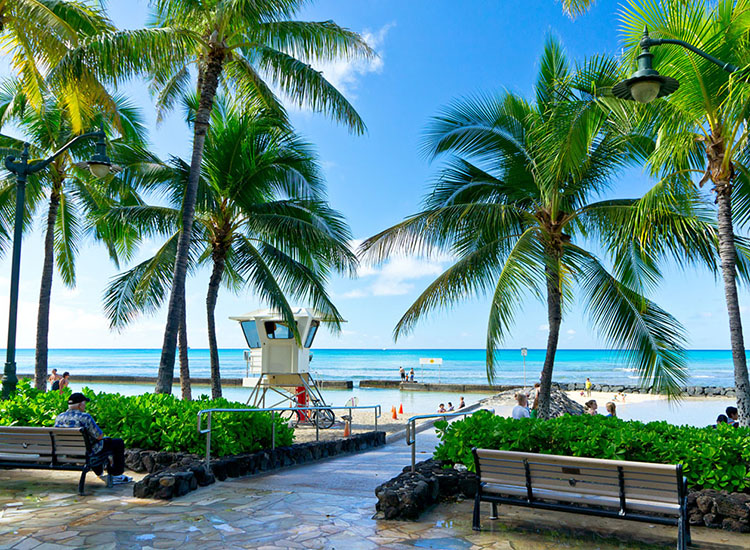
{"type": "Point", "coordinates": [432, 361]}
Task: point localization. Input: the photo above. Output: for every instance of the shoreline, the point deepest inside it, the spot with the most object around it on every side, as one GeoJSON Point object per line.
{"type": "Point", "coordinates": [570, 387]}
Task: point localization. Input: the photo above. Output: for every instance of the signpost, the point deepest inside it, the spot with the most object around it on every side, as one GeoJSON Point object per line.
{"type": "Point", "coordinates": [524, 353]}
{"type": "Point", "coordinates": [432, 361]}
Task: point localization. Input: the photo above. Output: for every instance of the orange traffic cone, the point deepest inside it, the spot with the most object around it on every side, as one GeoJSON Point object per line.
{"type": "Point", "coordinates": [401, 409]}
{"type": "Point", "coordinates": [393, 412]}
{"type": "Point", "coordinates": [347, 429]}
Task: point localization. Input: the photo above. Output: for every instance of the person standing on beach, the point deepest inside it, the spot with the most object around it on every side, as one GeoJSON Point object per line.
{"type": "Point", "coordinates": [54, 377]}
{"type": "Point", "coordinates": [402, 372]}
{"type": "Point", "coordinates": [63, 382]}
{"type": "Point", "coordinates": [588, 387]}
{"type": "Point", "coordinates": [535, 401]}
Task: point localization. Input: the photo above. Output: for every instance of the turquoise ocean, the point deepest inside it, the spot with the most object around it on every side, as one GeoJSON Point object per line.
{"type": "Point", "coordinates": [705, 367]}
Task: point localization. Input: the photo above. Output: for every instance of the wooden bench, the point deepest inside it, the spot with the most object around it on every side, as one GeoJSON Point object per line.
{"type": "Point", "coordinates": [639, 491]}
{"type": "Point", "coordinates": [24, 447]}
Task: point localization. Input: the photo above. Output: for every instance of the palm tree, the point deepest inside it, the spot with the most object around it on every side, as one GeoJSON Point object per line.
{"type": "Point", "coordinates": [261, 221]}
{"type": "Point", "coordinates": [573, 8]}
{"type": "Point", "coordinates": [702, 128]}
{"type": "Point", "coordinates": [73, 195]}
{"type": "Point", "coordinates": [37, 34]}
{"type": "Point", "coordinates": [517, 201]}
{"type": "Point", "coordinates": [239, 44]}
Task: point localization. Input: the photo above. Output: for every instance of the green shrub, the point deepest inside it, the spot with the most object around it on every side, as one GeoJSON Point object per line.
{"type": "Point", "coordinates": [152, 421]}
{"type": "Point", "coordinates": [712, 458]}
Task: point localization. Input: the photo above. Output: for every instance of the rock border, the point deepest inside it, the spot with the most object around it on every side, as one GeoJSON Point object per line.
{"type": "Point", "coordinates": [173, 475]}
{"type": "Point", "coordinates": [409, 494]}
{"type": "Point", "coordinates": [705, 391]}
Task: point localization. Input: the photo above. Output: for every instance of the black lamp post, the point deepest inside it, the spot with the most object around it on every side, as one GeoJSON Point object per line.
{"type": "Point", "coordinates": [100, 166]}
{"type": "Point", "coordinates": [647, 84]}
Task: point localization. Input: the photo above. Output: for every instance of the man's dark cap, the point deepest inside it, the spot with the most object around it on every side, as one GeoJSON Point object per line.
{"type": "Point", "coordinates": [76, 398]}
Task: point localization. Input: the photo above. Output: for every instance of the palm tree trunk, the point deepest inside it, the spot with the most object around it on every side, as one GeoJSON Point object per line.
{"type": "Point", "coordinates": [554, 317]}
{"type": "Point", "coordinates": [728, 255]}
{"type": "Point", "coordinates": [187, 394]}
{"type": "Point", "coordinates": [45, 294]}
{"type": "Point", "coordinates": [176, 299]}
{"type": "Point", "coordinates": [219, 258]}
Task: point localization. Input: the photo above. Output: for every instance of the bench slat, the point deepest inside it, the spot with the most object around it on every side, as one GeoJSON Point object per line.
{"type": "Point", "coordinates": [609, 502]}
{"type": "Point", "coordinates": [629, 466]}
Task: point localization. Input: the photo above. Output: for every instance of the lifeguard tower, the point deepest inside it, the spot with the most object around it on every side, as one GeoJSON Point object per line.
{"type": "Point", "coordinates": [277, 367]}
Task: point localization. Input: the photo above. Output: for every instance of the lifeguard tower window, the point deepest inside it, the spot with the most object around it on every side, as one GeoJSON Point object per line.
{"type": "Point", "coordinates": [251, 334]}
{"type": "Point", "coordinates": [311, 333]}
{"type": "Point", "coordinates": [277, 330]}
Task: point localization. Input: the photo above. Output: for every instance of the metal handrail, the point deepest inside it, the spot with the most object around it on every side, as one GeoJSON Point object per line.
{"type": "Point", "coordinates": [209, 412]}
{"type": "Point", "coordinates": [411, 432]}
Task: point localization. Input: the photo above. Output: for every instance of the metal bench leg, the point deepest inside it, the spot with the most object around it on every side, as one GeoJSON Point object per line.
{"type": "Point", "coordinates": [681, 542]}
{"type": "Point", "coordinates": [82, 481]}
{"type": "Point", "coordinates": [475, 519]}
{"type": "Point", "coordinates": [494, 511]}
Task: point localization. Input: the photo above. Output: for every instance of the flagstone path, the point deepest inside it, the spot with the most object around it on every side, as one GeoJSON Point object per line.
{"type": "Point", "coordinates": [324, 505]}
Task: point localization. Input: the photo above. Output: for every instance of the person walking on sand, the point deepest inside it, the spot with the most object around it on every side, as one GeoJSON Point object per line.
{"type": "Point", "coordinates": [402, 372]}
{"type": "Point", "coordinates": [588, 387]}
{"type": "Point", "coordinates": [611, 409]}
{"type": "Point", "coordinates": [54, 377]}
{"type": "Point", "coordinates": [62, 383]}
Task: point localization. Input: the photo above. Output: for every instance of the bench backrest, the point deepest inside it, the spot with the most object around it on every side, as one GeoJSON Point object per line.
{"type": "Point", "coordinates": [641, 486]}
{"type": "Point", "coordinates": [20, 444]}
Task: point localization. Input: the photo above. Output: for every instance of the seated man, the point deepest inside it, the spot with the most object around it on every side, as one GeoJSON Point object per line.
{"type": "Point", "coordinates": [77, 417]}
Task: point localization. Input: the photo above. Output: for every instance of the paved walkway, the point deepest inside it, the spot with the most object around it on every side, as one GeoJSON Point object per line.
{"type": "Point", "coordinates": [326, 505]}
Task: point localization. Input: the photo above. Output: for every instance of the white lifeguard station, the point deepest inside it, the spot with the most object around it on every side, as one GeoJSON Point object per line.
{"type": "Point", "coordinates": [276, 363]}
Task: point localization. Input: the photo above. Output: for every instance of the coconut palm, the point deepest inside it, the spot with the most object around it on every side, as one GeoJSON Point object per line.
{"type": "Point", "coordinates": [246, 46]}
{"type": "Point", "coordinates": [701, 130]}
{"type": "Point", "coordinates": [576, 7]}
{"type": "Point", "coordinates": [72, 195]}
{"type": "Point", "coordinates": [36, 34]}
{"type": "Point", "coordinates": [261, 222]}
{"type": "Point", "coordinates": [518, 205]}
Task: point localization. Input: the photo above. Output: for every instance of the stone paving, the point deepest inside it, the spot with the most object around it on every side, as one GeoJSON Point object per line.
{"type": "Point", "coordinates": [325, 505]}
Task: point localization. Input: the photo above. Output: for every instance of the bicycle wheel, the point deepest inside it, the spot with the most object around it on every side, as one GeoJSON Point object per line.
{"type": "Point", "coordinates": [290, 417]}
{"type": "Point", "coordinates": [324, 418]}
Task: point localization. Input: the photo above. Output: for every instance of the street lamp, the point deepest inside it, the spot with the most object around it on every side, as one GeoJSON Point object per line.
{"type": "Point", "coordinates": [647, 84]}
{"type": "Point", "coordinates": [100, 166]}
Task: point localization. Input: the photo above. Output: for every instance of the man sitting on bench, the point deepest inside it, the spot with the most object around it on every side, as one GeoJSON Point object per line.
{"type": "Point", "coordinates": [77, 417]}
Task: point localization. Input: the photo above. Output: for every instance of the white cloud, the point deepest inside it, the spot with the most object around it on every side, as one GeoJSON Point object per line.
{"type": "Point", "coordinates": [346, 74]}
{"type": "Point", "coordinates": [544, 328]}
{"type": "Point", "coordinates": [571, 332]}
{"type": "Point", "coordinates": [395, 276]}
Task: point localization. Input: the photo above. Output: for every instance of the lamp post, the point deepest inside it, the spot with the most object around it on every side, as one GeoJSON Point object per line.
{"type": "Point", "coordinates": [647, 84]}
{"type": "Point", "coordinates": [100, 166]}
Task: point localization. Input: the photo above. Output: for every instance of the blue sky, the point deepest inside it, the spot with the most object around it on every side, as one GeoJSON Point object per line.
{"type": "Point", "coordinates": [430, 52]}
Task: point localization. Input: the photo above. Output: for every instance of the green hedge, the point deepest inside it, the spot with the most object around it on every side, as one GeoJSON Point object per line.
{"type": "Point", "coordinates": [152, 421]}
{"type": "Point", "coordinates": [712, 458]}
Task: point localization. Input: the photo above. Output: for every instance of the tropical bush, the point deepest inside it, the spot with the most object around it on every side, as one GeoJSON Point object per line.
{"type": "Point", "coordinates": [712, 458]}
{"type": "Point", "coordinates": [151, 421]}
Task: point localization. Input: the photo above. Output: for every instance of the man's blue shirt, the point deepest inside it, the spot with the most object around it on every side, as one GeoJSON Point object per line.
{"type": "Point", "coordinates": [78, 419]}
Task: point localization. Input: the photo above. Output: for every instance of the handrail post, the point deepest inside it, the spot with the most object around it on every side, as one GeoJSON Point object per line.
{"type": "Point", "coordinates": [273, 430]}
{"type": "Point", "coordinates": [208, 444]}
{"type": "Point", "coordinates": [375, 412]}
{"type": "Point", "coordinates": [413, 446]}
{"type": "Point", "coordinates": [317, 429]}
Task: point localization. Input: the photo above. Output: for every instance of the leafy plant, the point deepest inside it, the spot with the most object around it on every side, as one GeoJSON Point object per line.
{"type": "Point", "coordinates": [711, 458]}
{"type": "Point", "coordinates": [157, 422]}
